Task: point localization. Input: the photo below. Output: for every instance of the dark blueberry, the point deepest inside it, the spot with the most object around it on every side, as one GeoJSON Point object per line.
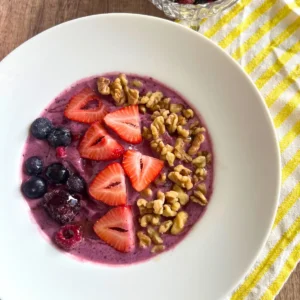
{"type": "Point", "coordinates": [33, 165]}
{"type": "Point", "coordinates": [60, 137]}
{"type": "Point", "coordinates": [68, 236]}
{"type": "Point", "coordinates": [34, 188]}
{"type": "Point", "coordinates": [61, 206]}
{"type": "Point", "coordinates": [41, 128]}
{"type": "Point", "coordinates": [76, 184]}
{"type": "Point", "coordinates": [57, 173]}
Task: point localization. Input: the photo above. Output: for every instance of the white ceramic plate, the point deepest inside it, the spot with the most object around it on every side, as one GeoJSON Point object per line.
{"type": "Point", "coordinates": [222, 246]}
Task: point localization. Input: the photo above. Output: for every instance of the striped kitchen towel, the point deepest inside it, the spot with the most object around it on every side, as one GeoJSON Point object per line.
{"type": "Point", "coordinates": [264, 37]}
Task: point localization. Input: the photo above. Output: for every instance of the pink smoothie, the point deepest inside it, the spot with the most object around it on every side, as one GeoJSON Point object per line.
{"type": "Point", "coordinates": [92, 248]}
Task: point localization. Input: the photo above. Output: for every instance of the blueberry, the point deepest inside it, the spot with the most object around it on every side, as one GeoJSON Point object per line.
{"type": "Point", "coordinates": [61, 206]}
{"type": "Point", "coordinates": [33, 165]}
{"type": "Point", "coordinates": [41, 128]}
{"type": "Point", "coordinates": [57, 173]}
{"type": "Point", "coordinates": [60, 137]}
{"type": "Point", "coordinates": [76, 184]}
{"type": "Point", "coordinates": [34, 188]}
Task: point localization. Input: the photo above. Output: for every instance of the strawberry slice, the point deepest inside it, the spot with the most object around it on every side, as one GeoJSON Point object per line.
{"type": "Point", "coordinates": [109, 185]}
{"type": "Point", "coordinates": [76, 108]}
{"type": "Point", "coordinates": [141, 169]}
{"type": "Point", "coordinates": [126, 123]}
{"type": "Point", "coordinates": [116, 229]}
{"type": "Point", "coordinates": [98, 145]}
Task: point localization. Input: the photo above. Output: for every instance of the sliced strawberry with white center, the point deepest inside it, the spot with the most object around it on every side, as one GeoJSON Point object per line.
{"type": "Point", "coordinates": [126, 123]}
{"type": "Point", "coordinates": [77, 109]}
{"type": "Point", "coordinates": [109, 185]}
{"type": "Point", "coordinates": [116, 229]}
{"type": "Point", "coordinates": [141, 169]}
{"type": "Point", "coordinates": [98, 145]}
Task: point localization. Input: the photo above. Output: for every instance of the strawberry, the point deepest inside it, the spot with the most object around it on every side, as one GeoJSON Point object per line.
{"type": "Point", "coordinates": [109, 185]}
{"type": "Point", "coordinates": [76, 111]}
{"type": "Point", "coordinates": [141, 169]}
{"type": "Point", "coordinates": [116, 229]}
{"type": "Point", "coordinates": [126, 123]}
{"type": "Point", "coordinates": [98, 145]}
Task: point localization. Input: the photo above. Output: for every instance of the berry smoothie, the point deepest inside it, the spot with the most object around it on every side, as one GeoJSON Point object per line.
{"type": "Point", "coordinates": [117, 169]}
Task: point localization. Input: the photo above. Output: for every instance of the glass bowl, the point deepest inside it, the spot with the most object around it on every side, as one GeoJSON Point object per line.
{"type": "Point", "coordinates": [191, 14]}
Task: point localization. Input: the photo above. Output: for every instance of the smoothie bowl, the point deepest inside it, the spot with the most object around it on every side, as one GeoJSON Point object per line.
{"type": "Point", "coordinates": [137, 160]}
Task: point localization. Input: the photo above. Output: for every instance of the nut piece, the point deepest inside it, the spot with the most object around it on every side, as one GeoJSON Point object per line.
{"type": "Point", "coordinates": [168, 212]}
{"type": "Point", "coordinates": [137, 83]}
{"type": "Point", "coordinates": [147, 192]}
{"type": "Point", "coordinates": [176, 108]}
{"type": "Point", "coordinates": [162, 112]}
{"type": "Point", "coordinates": [171, 197]}
{"type": "Point", "coordinates": [157, 248]}
{"type": "Point", "coordinates": [152, 99]}
{"type": "Point", "coordinates": [175, 206]}
{"type": "Point", "coordinates": [149, 219]}
{"type": "Point", "coordinates": [202, 188]}
{"type": "Point", "coordinates": [170, 158]}
{"type": "Point", "coordinates": [197, 130]}
{"type": "Point", "coordinates": [146, 133]}
{"type": "Point", "coordinates": [117, 92]}
{"type": "Point", "coordinates": [208, 158]}
{"type": "Point", "coordinates": [199, 161]}
{"type": "Point", "coordinates": [201, 173]}
{"type": "Point", "coordinates": [161, 179]}
{"type": "Point", "coordinates": [133, 96]}
{"type": "Point", "coordinates": [165, 226]}
{"type": "Point", "coordinates": [188, 113]}
{"type": "Point", "coordinates": [179, 222]}
{"type": "Point", "coordinates": [182, 120]}
{"type": "Point", "coordinates": [144, 240]}
{"type": "Point", "coordinates": [199, 198]}
{"type": "Point", "coordinates": [158, 127]}
{"type": "Point", "coordinates": [197, 141]}
{"type": "Point", "coordinates": [182, 170]}
{"type": "Point", "coordinates": [142, 109]}
{"type": "Point", "coordinates": [182, 196]}
{"type": "Point", "coordinates": [172, 122]}
{"type": "Point", "coordinates": [181, 180]}
{"type": "Point", "coordinates": [144, 207]}
{"type": "Point", "coordinates": [179, 151]}
{"type": "Point", "coordinates": [103, 85]}
{"type": "Point", "coordinates": [154, 235]}
{"type": "Point", "coordinates": [183, 132]}
{"type": "Point", "coordinates": [158, 206]}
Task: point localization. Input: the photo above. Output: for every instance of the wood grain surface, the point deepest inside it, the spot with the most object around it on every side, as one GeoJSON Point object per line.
{"type": "Point", "coordinates": [23, 19]}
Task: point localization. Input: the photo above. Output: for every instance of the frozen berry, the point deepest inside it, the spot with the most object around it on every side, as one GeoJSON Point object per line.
{"type": "Point", "coordinates": [61, 206]}
{"type": "Point", "coordinates": [57, 173]}
{"type": "Point", "coordinates": [33, 165]}
{"type": "Point", "coordinates": [61, 152]}
{"type": "Point", "coordinates": [76, 184]}
{"type": "Point", "coordinates": [34, 188]}
{"type": "Point", "coordinates": [41, 128]}
{"type": "Point", "coordinates": [60, 137]}
{"type": "Point", "coordinates": [68, 236]}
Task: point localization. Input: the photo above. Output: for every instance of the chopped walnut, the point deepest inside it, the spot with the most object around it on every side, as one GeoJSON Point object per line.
{"type": "Point", "coordinates": [162, 112]}
{"type": "Point", "coordinates": [181, 180]}
{"type": "Point", "coordinates": [123, 79]}
{"type": "Point", "coordinates": [157, 248]}
{"type": "Point", "coordinates": [161, 179]}
{"type": "Point", "coordinates": [172, 122]}
{"type": "Point", "coordinates": [202, 188]}
{"type": "Point", "coordinates": [142, 109]}
{"type": "Point", "coordinates": [208, 158]}
{"type": "Point", "coordinates": [154, 235]}
{"type": "Point", "coordinates": [194, 124]}
{"type": "Point", "coordinates": [176, 108]}
{"type": "Point", "coordinates": [198, 197]}
{"type": "Point", "coordinates": [103, 85]}
{"type": "Point", "coordinates": [182, 196]}
{"type": "Point", "coordinates": [179, 222]}
{"type": "Point", "coordinates": [133, 96]}
{"type": "Point", "coordinates": [147, 192]}
{"type": "Point", "coordinates": [170, 158]}
{"type": "Point", "coordinates": [137, 83]}
{"type": "Point", "coordinates": [176, 206]}
{"type": "Point", "coordinates": [182, 120]}
{"type": "Point", "coordinates": [171, 197]}
{"type": "Point", "coordinates": [197, 130]}
{"type": "Point", "coordinates": [197, 141]}
{"type": "Point", "coordinates": [201, 173]}
{"type": "Point", "coordinates": [153, 99]}
{"type": "Point", "coordinates": [144, 240]}
{"type": "Point", "coordinates": [179, 151]}
{"type": "Point", "coordinates": [158, 206]}
{"type": "Point", "coordinates": [149, 219]}
{"type": "Point", "coordinates": [182, 170]}
{"type": "Point", "coordinates": [165, 226]}
{"type": "Point", "coordinates": [168, 212]}
{"type": "Point", "coordinates": [146, 133]}
{"type": "Point", "coordinates": [183, 132]}
{"type": "Point", "coordinates": [199, 161]}
{"type": "Point", "coordinates": [144, 208]}
{"type": "Point", "coordinates": [164, 103]}
{"type": "Point", "coordinates": [188, 113]}
{"type": "Point", "coordinates": [158, 127]}
{"type": "Point", "coordinates": [117, 92]}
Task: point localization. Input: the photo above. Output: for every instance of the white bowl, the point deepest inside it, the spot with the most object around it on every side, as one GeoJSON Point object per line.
{"type": "Point", "coordinates": [208, 263]}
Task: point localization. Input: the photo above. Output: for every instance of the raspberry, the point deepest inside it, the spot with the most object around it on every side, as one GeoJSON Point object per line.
{"type": "Point", "coordinates": [61, 206]}
{"type": "Point", "coordinates": [186, 1]}
{"type": "Point", "coordinates": [61, 152]}
{"type": "Point", "coordinates": [68, 236]}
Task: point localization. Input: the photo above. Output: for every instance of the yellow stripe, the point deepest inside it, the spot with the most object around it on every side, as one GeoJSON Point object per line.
{"type": "Point", "coordinates": [286, 111]}
{"type": "Point", "coordinates": [263, 30]}
{"type": "Point", "coordinates": [268, 261]}
{"type": "Point", "coordinates": [290, 166]}
{"type": "Point", "coordinates": [286, 205]}
{"type": "Point", "coordinates": [282, 86]}
{"type": "Point", "coordinates": [237, 31]}
{"type": "Point", "coordinates": [259, 57]}
{"type": "Point", "coordinates": [286, 270]}
{"type": "Point", "coordinates": [278, 64]}
{"type": "Point", "coordinates": [226, 18]}
{"type": "Point", "coordinates": [289, 137]}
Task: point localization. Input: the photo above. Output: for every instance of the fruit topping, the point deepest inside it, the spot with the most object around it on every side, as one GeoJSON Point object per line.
{"type": "Point", "coordinates": [116, 229]}
{"type": "Point", "coordinates": [98, 145]}
{"type": "Point", "coordinates": [61, 206]}
{"type": "Point", "coordinates": [41, 128]}
{"type": "Point", "coordinates": [109, 185]}
{"type": "Point", "coordinates": [60, 137]}
{"type": "Point", "coordinates": [141, 169]}
{"type": "Point", "coordinates": [34, 188]}
{"type": "Point", "coordinates": [33, 165]}
{"type": "Point", "coordinates": [68, 236]}
{"type": "Point", "coordinates": [76, 184]}
{"type": "Point", "coordinates": [126, 123]}
{"type": "Point", "coordinates": [61, 152]}
{"type": "Point", "coordinates": [78, 108]}
{"type": "Point", "coordinates": [57, 173]}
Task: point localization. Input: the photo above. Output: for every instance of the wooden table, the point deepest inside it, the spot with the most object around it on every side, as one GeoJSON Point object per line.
{"type": "Point", "coordinates": [22, 19]}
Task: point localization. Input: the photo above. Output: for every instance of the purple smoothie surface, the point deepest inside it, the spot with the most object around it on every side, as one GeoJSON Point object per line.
{"type": "Point", "coordinates": [92, 248]}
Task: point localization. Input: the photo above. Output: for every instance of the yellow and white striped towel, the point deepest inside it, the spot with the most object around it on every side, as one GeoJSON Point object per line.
{"type": "Point", "coordinates": [264, 37]}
